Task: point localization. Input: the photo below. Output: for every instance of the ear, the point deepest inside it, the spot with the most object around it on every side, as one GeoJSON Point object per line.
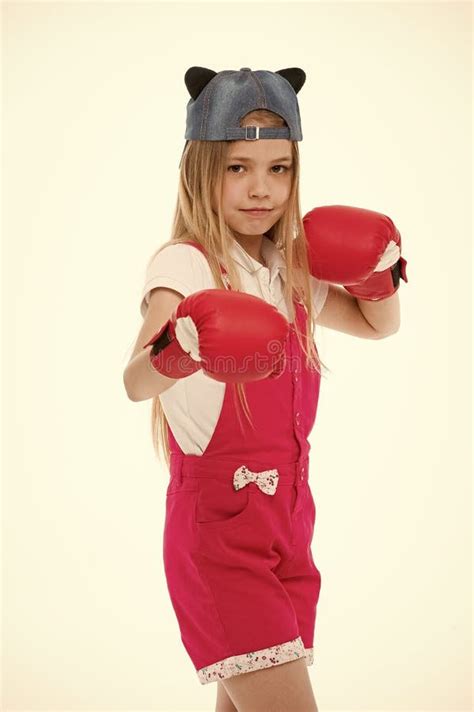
{"type": "Point", "coordinates": [295, 76]}
{"type": "Point", "coordinates": [196, 78]}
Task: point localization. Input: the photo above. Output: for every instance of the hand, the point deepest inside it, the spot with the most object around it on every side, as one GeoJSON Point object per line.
{"type": "Point", "coordinates": [233, 336]}
{"type": "Point", "coordinates": [358, 248]}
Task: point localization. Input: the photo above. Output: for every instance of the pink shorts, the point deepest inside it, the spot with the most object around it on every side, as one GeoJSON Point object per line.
{"type": "Point", "coordinates": [238, 563]}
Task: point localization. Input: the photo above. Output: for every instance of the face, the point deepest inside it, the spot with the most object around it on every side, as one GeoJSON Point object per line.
{"type": "Point", "coordinates": [257, 174]}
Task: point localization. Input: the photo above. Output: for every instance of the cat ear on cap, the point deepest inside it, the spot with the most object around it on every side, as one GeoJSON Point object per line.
{"type": "Point", "coordinates": [295, 76]}
{"type": "Point", "coordinates": [196, 79]}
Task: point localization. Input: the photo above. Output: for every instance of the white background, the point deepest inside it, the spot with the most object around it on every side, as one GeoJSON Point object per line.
{"type": "Point", "coordinates": [94, 106]}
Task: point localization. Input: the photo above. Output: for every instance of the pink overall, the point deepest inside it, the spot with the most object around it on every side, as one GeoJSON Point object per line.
{"type": "Point", "coordinates": [239, 525]}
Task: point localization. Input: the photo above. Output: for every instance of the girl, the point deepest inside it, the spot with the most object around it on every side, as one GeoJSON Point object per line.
{"type": "Point", "coordinates": [226, 352]}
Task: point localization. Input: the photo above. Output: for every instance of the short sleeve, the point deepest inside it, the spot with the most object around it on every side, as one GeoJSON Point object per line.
{"type": "Point", "coordinates": [180, 267]}
{"type": "Point", "coordinates": [319, 293]}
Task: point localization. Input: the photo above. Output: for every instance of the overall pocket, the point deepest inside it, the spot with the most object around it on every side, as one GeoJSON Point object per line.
{"type": "Point", "coordinates": [312, 506]}
{"type": "Point", "coordinates": [180, 500]}
{"type": "Point", "coordinates": [178, 531]}
{"type": "Point", "coordinates": [184, 484]}
{"type": "Point", "coordinates": [303, 515]}
{"type": "Point", "coordinates": [219, 506]}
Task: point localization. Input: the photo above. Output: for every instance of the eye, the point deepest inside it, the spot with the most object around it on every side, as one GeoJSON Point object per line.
{"type": "Point", "coordinates": [238, 165]}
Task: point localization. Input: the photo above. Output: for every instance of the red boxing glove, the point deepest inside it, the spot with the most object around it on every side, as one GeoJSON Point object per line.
{"type": "Point", "coordinates": [358, 248]}
{"type": "Point", "coordinates": [233, 336]}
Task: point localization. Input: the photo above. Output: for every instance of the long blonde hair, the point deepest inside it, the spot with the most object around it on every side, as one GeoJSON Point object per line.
{"type": "Point", "coordinates": [202, 171]}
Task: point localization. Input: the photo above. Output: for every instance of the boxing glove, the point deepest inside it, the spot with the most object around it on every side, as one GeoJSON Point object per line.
{"type": "Point", "coordinates": [233, 336]}
{"type": "Point", "coordinates": [355, 247]}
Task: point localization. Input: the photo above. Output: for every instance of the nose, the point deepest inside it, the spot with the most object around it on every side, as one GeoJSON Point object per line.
{"type": "Point", "coordinates": [258, 186]}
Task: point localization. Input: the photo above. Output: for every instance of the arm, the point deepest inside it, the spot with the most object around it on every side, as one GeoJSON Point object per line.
{"type": "Point", "coordinates": [383, 315]}
{"type": "Point", "coordinates": [140, 379]}
{"type": "Point", "coordinates": [343, 312]}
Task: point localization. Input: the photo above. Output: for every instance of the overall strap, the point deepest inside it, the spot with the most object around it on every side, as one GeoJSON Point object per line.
{"type": "Point", "coordinates": [201, 249]}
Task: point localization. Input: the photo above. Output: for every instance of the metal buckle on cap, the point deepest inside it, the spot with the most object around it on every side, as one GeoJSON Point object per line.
{"type": "Point", "coordinates": [257, 131]}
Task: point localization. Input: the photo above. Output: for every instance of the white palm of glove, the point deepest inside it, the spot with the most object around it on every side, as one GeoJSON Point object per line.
{"type": "Point", "coordinates": [188, 336]}
{"type": "Point", "coordinates": [389, 257]}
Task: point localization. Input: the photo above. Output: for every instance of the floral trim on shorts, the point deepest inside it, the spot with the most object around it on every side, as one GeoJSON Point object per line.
{"type": "Point", "coordinates": [257, 660]}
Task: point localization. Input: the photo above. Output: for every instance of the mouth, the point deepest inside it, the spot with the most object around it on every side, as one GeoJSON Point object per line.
{"type": "Point", "coordinates": [259, 212]}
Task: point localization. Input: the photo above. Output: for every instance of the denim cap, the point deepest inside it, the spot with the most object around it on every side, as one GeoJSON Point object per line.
{"type": "Point", "coordinates": [219, 100]}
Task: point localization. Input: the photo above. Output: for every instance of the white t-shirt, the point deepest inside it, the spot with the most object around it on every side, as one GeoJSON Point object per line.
{"type": "Point", "coordinates": [185, 269]}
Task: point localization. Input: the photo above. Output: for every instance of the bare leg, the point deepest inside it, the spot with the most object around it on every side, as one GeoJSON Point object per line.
{"type": "Point", "coordinates": [223, 702]}
{"type": "Point", "coordinates": [278, 688]}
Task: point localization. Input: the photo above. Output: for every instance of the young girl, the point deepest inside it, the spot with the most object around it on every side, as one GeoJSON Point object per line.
{"type": "Point", "coordinates": [226, 352]}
